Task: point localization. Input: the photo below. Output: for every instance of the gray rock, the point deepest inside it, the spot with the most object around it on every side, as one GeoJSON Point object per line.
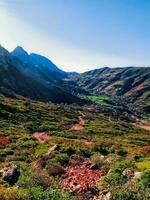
{"type": "Point", "coordinates": [10, 174]}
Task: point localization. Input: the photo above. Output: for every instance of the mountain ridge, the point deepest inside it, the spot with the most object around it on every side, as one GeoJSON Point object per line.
{"type": "Point", "coordinates": [133, 83]}
{"type": "Point", "coordinates": [24, 79]}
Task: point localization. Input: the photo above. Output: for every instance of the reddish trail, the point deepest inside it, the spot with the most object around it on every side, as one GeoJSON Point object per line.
{"type": "Point", "coordinates": [79, 126]}
{"type": "Point", "coordinates": [41, 137]}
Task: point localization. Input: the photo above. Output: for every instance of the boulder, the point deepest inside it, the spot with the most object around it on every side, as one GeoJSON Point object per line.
{"type": "Point", "coordinates": [129, 173]}
{"type": "Point", "coordinates": [10, 174]}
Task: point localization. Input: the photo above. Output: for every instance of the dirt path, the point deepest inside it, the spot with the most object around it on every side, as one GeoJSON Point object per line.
{"type": "Point", "coordinates": [79, 126]}
{"type": "Point", "coordinates": [143, 124]}
{"type": "Point", "coordinates": [41, 137]}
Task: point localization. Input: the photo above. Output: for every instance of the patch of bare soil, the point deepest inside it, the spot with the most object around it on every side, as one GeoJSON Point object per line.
{"type": "Point", "coordinates": [41, 137]}
{"type": "Point", "coordinates": [79, 126]}
{"type": "Point", "coordinates": [133, 90]}
{"type": "Point", "coordinates": [143, 124]}
{"type": "Point", "coordinates": [80, 179]}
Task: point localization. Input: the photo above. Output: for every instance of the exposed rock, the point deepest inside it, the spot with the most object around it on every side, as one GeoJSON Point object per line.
{"type": "Point", "coordinates": [129, 173]}
{"type": "Point", "coordinates": [10, 174]}
{"type": "Point", "coordinates": [94, 166]}
{"type": "Point", "coordinates": [137, 175]}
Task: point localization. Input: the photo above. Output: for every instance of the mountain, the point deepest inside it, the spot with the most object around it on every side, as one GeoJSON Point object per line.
{"type": "Point", "coordinates": [36, 60]}
{"type": "Point", "coordinates": [24, 79]}
{"type": "Point", "coordinates": [133, 83]}
{"type": "Point", "coordinates": [38, 67]}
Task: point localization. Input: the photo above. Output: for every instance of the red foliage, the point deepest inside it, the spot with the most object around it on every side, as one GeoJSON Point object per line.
{"type": "Point", "coordinates": [146, 150]}
{"type": "Point", "coordinates": [79, 177]}
{"type": "Point", "coordinates": [4, 140]}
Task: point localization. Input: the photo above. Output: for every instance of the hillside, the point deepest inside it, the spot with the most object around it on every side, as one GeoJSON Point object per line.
{"type": "Point", "coordinates": [80, 153]}
{"type": "Point", "coordinates": [36, 82]}
{"type": "Point", "coordinates": [132, 83]}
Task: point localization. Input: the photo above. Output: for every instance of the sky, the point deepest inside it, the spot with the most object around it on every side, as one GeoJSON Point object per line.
{"type": "Point", "coordinates": [79, 35]}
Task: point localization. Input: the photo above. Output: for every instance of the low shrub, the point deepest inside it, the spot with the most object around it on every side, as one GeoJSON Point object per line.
{"type": "Point", "coordinates": [101, 150]}
{"type": "Point", "coordinates": [125, 195]}
{"type": "Point", "coordinates": [122, 152]}
{"type": "Point", "coordinates": [97, 159]}
{"type": "Point", "coordinates": [37, 193]}
{"type": "Point", "coordinates": [7, 193]}
{"type": "Point", "coordinates": [62, 158]}
{"type": "Point", "coordinates": [144, 181]}
{"type": "Point", "coordinates": [54, 169]}
{"type": "Point", "coordinates": [29, 178]}
{"type": "Point", "coordinates": [85, 153]}
{"type": "Point", "coordinates": [138, 156]}
{"type": "Point", "coordinates": [143, 165]}
{"type": "Point", "coordinates": [70, 151]}
{"type": "Point", "coordinates": [115, 176]}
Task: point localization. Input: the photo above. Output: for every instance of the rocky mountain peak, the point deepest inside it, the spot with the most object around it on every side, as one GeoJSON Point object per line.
{"type": "Point", "coordinates": [3, 51]}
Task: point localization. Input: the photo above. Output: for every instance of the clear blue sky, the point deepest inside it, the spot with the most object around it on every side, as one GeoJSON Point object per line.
{"type": "Point", "coordinates": [79, 35]}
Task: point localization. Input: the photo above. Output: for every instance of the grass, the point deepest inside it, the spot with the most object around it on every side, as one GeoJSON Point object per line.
{"type": "Point", "coordinates": [98, 99]}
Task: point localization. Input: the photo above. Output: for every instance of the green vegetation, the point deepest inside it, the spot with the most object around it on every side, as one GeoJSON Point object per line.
{"type": "Point", "coordinates": [98, 99]}
{"type": "Point", "coordinates": [112, 145]}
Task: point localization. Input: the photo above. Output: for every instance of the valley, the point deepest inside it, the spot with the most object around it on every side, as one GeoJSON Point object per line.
{"type": "Point", "coordinates": [70, 136]}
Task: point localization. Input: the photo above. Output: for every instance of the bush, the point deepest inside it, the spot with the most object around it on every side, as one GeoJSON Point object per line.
{"type": "Point", "coordinates": [70, 151]}
{"type": "Point", "coordinates": [144, 181]}
{"type": "Point", "coordinates": [97, 159]}
{"type": "Point", "coordinates": [119, 167]}
{"type": "Point", "coordinates": [7, 194]}
{"type": "Point", "coordinates": [101, 150]}
{"type": "Point", "coordinates": [85, 153]}
{"type": "Point", "coordinates": [121, 152]}
{"type": "Point", "coordinates": [39, 194]}
{"type": "Point", "coordinates": [125, 195]}
{"type": "Point", "coordinates": [62, 158]}
{"type": "Point", "coordinates": [54, 169]}
{"type": "Point", "coordinates": [30, 178]}
{"type": "Point", "coordinates": [138, 156]}
{"type": "Point", "coordinates": [114, 178]}
{"type": "Point", "coordinates": [41, 179]}
{"type": "Point", "coordinates": [143, 165]}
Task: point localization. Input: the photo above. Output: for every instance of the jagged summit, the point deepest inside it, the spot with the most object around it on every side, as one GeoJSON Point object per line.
{"type": "Point", "coordinates": [36, 60]}
{"type": "Point", "coordinates": [20, 49]}
{"type": "Point", "coordinates": [3, 51]}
